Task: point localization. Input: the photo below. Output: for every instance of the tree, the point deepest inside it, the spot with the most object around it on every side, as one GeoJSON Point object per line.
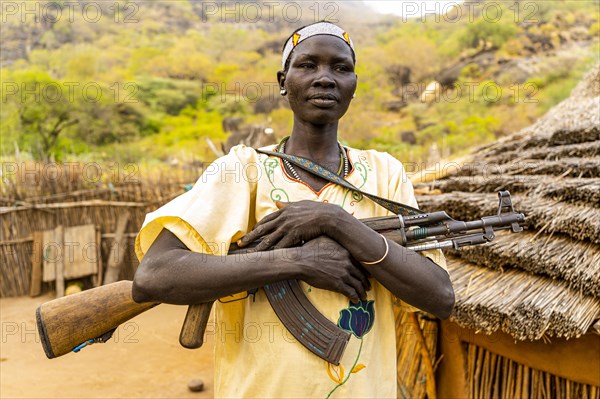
{"type": "Point", "coordinates": [41, 110]}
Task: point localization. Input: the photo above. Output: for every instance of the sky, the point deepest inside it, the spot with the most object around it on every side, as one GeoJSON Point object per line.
{"type": "Point", "coordinates": [412, 8]}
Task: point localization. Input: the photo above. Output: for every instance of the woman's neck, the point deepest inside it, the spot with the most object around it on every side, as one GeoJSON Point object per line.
{"type": "Point", "coordinates": [316, 142]}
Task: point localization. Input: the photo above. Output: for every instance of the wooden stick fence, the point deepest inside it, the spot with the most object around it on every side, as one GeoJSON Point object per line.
{"type": "Point", "coordinates": [71, 200]}
{"type": "Point", "coordinates": [491, 376]}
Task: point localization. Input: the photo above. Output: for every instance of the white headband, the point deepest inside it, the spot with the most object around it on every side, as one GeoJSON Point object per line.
{"type": "Point", "coordinates": [319, 28]}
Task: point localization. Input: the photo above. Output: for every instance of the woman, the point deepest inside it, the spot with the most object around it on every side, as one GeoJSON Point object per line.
{"type": "Point", "coordinates": [246, 195]}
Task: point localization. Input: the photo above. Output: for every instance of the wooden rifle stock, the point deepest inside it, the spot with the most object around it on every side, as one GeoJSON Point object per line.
{"type": "Point", "coordinates": [194, 325]}
{"type": "Point", "coordinates": [83, 318]}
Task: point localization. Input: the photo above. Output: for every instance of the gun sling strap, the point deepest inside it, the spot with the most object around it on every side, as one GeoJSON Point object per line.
{"type": "Point", "coordinates": [312, 167]}
{"type": "Point", "coordinates": [313, 330]}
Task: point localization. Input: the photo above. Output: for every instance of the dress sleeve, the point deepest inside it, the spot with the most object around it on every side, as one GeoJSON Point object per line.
{"type": "Point", "coordinates": [218, 210]}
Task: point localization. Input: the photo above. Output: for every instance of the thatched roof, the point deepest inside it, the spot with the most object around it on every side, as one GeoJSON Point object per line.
{"type": "Point", "coordinates": [545, 281]}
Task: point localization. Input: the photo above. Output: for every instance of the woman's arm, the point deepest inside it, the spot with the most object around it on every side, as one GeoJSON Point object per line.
{"type": "Point", "coordinates": [408, 275]}
{"type": "Point", "coordinates": [171, 273]}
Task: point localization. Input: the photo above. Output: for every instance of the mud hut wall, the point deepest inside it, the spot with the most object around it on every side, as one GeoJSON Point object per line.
{"type": "Point", "coordinates": [573, 361]}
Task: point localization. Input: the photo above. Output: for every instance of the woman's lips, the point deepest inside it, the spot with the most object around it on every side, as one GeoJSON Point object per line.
{"type": "Point", "coordinates": [323, 101]}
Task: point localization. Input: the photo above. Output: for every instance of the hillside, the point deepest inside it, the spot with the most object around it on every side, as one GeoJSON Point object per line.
{"type": "Point", "coordinates": [131, 81]}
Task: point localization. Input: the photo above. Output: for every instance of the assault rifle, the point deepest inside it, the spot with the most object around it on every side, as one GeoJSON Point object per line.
{"type": "Point", "coordinates": [73, 322]}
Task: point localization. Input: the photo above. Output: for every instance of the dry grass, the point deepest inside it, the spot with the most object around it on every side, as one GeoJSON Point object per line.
{"type": "Point", "coordinates": [526, 306]}
{"type": "Point", "coordinates": [416, 344]}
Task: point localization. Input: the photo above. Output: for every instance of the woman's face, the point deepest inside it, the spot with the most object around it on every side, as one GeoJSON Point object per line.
{"type": "Point", "coordinates": [320, 80]}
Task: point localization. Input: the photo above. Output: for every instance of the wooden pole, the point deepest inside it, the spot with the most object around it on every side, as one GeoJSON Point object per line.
{"type": "Point", "coordinates": [117, 250]}
{"type": "Point", "coordinates": [60, 277]}
{"type": "Point", "coordinates": [35, 286]}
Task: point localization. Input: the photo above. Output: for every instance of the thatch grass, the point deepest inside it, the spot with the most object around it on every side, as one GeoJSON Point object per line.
{"type": "Point", "coordinates": [521, 304]}
{"type": "Point", "coordinates": [578, 190]}
{"type": "Point", "coordinates": [565, 167]}
{"type": "Point", "coordinates": [481, 184]}
{"type": "Point", "coordinates": [584, 150]}
{"type": "Point", "coordinates": [569, 313]}
{"type": "Point", "coordinates": [544, 282]}
{"type": "Point", "coordinates": [578, 221]}
{"type": "Point", "coordinates": [567, 136]}
{"type": "Point", "coordinates": [579, 267]}
{"type": "Point", "coordinates": [556, 133]}
{"type": "Point", "coordinates": [35, 182]}
{"type": "Point", "coordinates": [574, 190]}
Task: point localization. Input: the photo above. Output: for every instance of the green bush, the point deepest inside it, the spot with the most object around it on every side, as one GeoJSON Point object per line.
{"type": "Point", "coordinates": [482, 32]}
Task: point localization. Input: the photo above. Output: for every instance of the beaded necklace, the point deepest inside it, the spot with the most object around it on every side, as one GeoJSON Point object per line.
{"type": "Point", "coordinates": [344, 163]}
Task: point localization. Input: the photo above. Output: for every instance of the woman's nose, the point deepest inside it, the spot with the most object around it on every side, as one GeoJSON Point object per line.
{"type": "Point", "coordinates": [324, 79]}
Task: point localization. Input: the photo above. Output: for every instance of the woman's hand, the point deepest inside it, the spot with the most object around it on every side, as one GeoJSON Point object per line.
{"type": "Point", "coordinates": [321, 262]}
{"type": "Point", "coordinates": [292, 224]}
{"type": "Point", "coordinates": [325, 264]}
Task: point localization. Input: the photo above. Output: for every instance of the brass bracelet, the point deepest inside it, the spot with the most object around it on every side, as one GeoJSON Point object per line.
{"type": "Point", "coordinates": [387, 249]}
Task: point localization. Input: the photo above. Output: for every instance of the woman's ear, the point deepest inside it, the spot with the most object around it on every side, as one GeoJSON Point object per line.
{"type": "Point", "coordinates": [281, 79]}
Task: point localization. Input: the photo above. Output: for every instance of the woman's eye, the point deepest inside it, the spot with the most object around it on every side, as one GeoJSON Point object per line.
{"type": "Point", "coordinates": [342, 68]}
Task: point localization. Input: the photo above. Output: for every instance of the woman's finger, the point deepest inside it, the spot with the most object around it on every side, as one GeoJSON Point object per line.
{"type": "Point", "coordinates": [360, 276]}
{"type": "Point", "coordinates": [271, 216]}
{"type": "Point", "coordinates": [363, 272]}
{"type": "Point", "coordinates": [357, 286]}
{"type": "Point", "coordinates": [269, 241]}
{"type": "Point", "coordinates": [260, 229]}
{"type": "Point", "coordinates": [288, 241]}
{"type": "Point", "coordinates": [350, 292]}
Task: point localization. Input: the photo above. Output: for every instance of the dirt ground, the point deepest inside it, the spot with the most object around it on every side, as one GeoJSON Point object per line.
{"type": "Point", "coordinates": [143, 360]}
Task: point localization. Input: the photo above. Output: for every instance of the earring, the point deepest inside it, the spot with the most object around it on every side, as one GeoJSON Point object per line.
{"type": "Point", "coordinates": [283, 91]}
{"type": "Point", "coordinates": [354, 95]}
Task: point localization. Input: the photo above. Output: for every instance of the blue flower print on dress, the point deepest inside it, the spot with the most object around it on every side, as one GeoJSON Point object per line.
{"type": "Point", "coordinates": [357, 318]}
